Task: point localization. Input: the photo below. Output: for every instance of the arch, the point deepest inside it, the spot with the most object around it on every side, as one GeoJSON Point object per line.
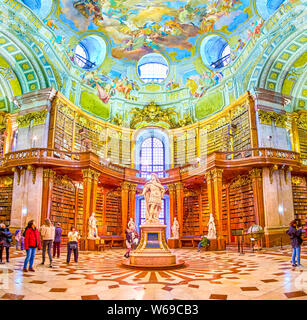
{"type": "Point", "coordinates": [151, 132]}
{"type": "Point", "coordinates": [266, 8]}
{"type": "Point", "coordinates": [214, 51]}
{"type": "Point", "coordinates": [42, 8]}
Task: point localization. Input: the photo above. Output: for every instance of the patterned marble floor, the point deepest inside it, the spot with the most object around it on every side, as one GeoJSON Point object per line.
{"type": "Point", "coordinates": [208, 275]}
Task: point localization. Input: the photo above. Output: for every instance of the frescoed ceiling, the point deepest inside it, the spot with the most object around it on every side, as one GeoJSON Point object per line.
{"type": "Point", "coordinates": [136, 28]}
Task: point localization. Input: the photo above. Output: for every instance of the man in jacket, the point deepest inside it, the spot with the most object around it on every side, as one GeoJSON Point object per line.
{"type": "Point", "coordinates": [47, 232]}
{"type": "Point", "coordinates": [5, 241]}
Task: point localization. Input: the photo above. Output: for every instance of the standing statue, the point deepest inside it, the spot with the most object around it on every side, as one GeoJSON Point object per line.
{"type": "Point", "coordinates": [211, 228]}
{"type": "Point", "coordinates": [131, 225]}
{"type": "Point", "coordinates": [175, 229]}
{"type": "Point", "coordinates": [153, 192]}
{"type": "Point", "coordinates": [92, 227]}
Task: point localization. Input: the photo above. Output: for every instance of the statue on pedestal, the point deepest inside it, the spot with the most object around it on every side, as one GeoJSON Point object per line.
{"type": "Point", "coordinates": [131, 225]}
{"type": "Point", "coordinates": [153, 192]}
{"type": "Point", "coordinates": [211, 228]}
{"type": "Point", "coordinates": [175, 229]}
{"type": "Point", "coordinates": [92, 227]}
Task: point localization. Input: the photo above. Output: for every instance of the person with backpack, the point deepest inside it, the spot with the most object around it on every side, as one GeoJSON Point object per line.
{"type": "Point", "coordinates": [32, 242]}
{"type": "Point", "coordinates": [57, 241]}
{"type": "Point", "coordinates": [204, 242]}
{"type": "Point", "coordinates": [296, 242]}
{"type": "Point", "coordinates": [5, 242]}
{"type": "Point", "coordinates": [47, 232]}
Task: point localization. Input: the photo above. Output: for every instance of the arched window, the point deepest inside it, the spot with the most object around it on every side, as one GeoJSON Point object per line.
{"type": "Point", "coordinates": [153, 67]}
{"type": "Point", "coordinates": [152, 157]}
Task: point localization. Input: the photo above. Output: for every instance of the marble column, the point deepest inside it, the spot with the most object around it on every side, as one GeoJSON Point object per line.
{"type": "Point", "coordinates": [27, 196]}
{"type": "Point", "coordinates": [278, 203]}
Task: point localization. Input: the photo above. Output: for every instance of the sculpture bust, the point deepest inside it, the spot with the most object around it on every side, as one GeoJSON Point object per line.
{"type": "Point", "coordinates": [131, 225]}
{"type": "Point", "coordinates": [92, 227]}
{"type": "Point", "coordinates": [175, 229]}
{"type": "Point", "coordinates": [153, 192]}
{"type": "Point", "coordinates": [211, 228]}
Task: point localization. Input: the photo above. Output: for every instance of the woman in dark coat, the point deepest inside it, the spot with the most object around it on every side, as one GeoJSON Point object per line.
{"type": "Point", "coordinates": [296, 241]}
{"type": "Point", "coordinates": [5, 242]}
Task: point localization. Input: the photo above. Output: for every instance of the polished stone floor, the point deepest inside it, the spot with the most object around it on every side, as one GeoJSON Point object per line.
{"type": "Point", "coordinates": [208, 275]}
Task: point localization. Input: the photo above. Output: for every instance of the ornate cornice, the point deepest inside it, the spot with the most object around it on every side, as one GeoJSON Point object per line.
{"type": "Point", "coordinates": [268, 117]}
{"type": "Point", "coordinates": [49, 174]}
{"type": "Point", "coordinates": [302, 121]}
{"type": "Point", "coordinates": [255, 173]}
{"type": "Point", "coordinates": [240, 181]}
{"type": "Point", "coordinates": [6, 181]}
{"type": "Point", "coordinates": [38, 118]}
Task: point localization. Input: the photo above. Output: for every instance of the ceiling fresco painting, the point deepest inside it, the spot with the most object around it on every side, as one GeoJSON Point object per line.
{"type": "Point", "coordinates": [194, 55]}
{"type": "Point", "coordinates": [138, 27]}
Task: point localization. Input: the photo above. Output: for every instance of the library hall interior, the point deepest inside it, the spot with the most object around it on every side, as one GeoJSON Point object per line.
{"type": "Point", "coordinates": [153, 150]}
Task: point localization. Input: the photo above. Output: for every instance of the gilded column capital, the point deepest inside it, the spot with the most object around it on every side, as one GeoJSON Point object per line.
{"type": "Point", "coordinates": [95, 175]}
{"type": "Point", "coordinates": [272, 169]}
{"type": "Point", "coordinates": [125, 186]}
{"type": "Point", "coordinates": [302, 121]}
{"type": "Point", "coordinates": [178, 185]}
{"type": "Point", "coordinates": [256, 173]}
{"type": "Point", "coordinates": [133, 187]}
{"type": "Point", "coordinates": [171, 187]}
{"type": "Point", "coordinates": [208, 175]}
{"type": "Point", "coordinates": [48, 174]}
{"type": "Point", "coordinates": [38, 118]}
{"type": "Point", "coordinates": [217, 173]}
{"type": "Point", "coordinates": [86, 173]}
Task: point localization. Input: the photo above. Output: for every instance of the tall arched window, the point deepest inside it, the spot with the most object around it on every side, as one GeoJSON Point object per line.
{"type": "Point", "coordinates": [152, 157]}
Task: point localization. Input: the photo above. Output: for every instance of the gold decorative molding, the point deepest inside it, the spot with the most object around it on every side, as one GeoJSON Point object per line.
{"type": "Point", "coordinates": [255, 173]}
{"type": "Point", "coordinates": [297, 181]}
{"type": "Point", "coordinates": [64, 181]}
{"type": "Point", "coordinates": [178, 185]}
{"type": "Point", "coordinates": [33, 171]}
{"type": "Point", "coordinates": [217, 173]}
{"type": "Point", "coordinates": [38, 118]}
{"type": "Point", "coordinates": [6, 181]}
{"type": "Point", "coordinates": [287, 169]}
{"type": "Point", "coordinates": [48, 174]}
{"type": "Point", "coordinates": [268, 117]}
{"type": "Point", "coordinates": [240, 181]}
{"type": "Point", "coordinates": [272, 169]}
{"type": "Point", "coordinates": [302, 121]}
{"type": "Point", "coordinates": [153, 113]}
{"type": "Point", "coordinates": [171, 187]}
{"type": "Point", "coordinates": [3, 120]}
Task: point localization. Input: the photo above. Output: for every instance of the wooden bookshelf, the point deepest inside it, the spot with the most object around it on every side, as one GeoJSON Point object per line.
{"type": "Point", "coordinates": [302, 134]}
{"type": "Point", "coordinates": [63, 203]}
{"type": "Point", "coordinates": [205, 210]}
{"type": "Point", "coordinates": [63, 137]}
{"type": "Point", "coordinates": [191, 146]}
{"type": "Point", "coordinates": [191, 215]}
{"type": "Point", "coordinates": [99, 207]}
{"type": "Point", "coordinates": [224, 211]}
{"type": "Point", "coordinates": [2, 139]}
{"type": "Point", "coordinates": [6, 191]}
{"type": "Point", "coordinates": [241, 205]}
{"type": "Point", "coordinates": [179, 150]}
{"type": "Point", "coordinates": [113, 213]}
{"type": "Point", "coordinates": [300, 200]}
{"type": "Point", "coordinates": [241, 132]}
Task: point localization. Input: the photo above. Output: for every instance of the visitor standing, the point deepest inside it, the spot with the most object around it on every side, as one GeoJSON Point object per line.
{"type": "Point", "coordinates": [47, 232]}
{"type": "Point", "coordinates": [5, 242]}
{"type": "Point", "coordinates": [57, 241]}
{"type": "Point", "coordinates": [32, 242]}
{"type": "Point", "coordinates": [72, 245]}
{"type": "Point", "coordinates": [19, 239]}
{"type": "Point", "coordinates": [129, 242]}
{"type": "Point", "coordinates": [296, 242]}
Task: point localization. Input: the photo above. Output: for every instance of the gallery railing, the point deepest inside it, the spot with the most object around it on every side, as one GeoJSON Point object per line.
{"type": "Point", "coordinates": [53, 157]}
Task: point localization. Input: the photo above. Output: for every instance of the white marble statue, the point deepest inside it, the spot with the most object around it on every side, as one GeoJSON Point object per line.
{"type": "Point", "coordinates": [131, 225]}
{"type": "Point", "coordinates": [175, 229]}
{"type": "Point", "coordinates": [92, 227]}
{"type": "Point", "coordinates": [153, 192]}
{"type": "Point", "coordinates": [211, 228]}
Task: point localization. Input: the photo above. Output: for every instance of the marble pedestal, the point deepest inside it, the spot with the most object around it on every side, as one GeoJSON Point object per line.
{"type": "Point", "coordinates": [152, 250]}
